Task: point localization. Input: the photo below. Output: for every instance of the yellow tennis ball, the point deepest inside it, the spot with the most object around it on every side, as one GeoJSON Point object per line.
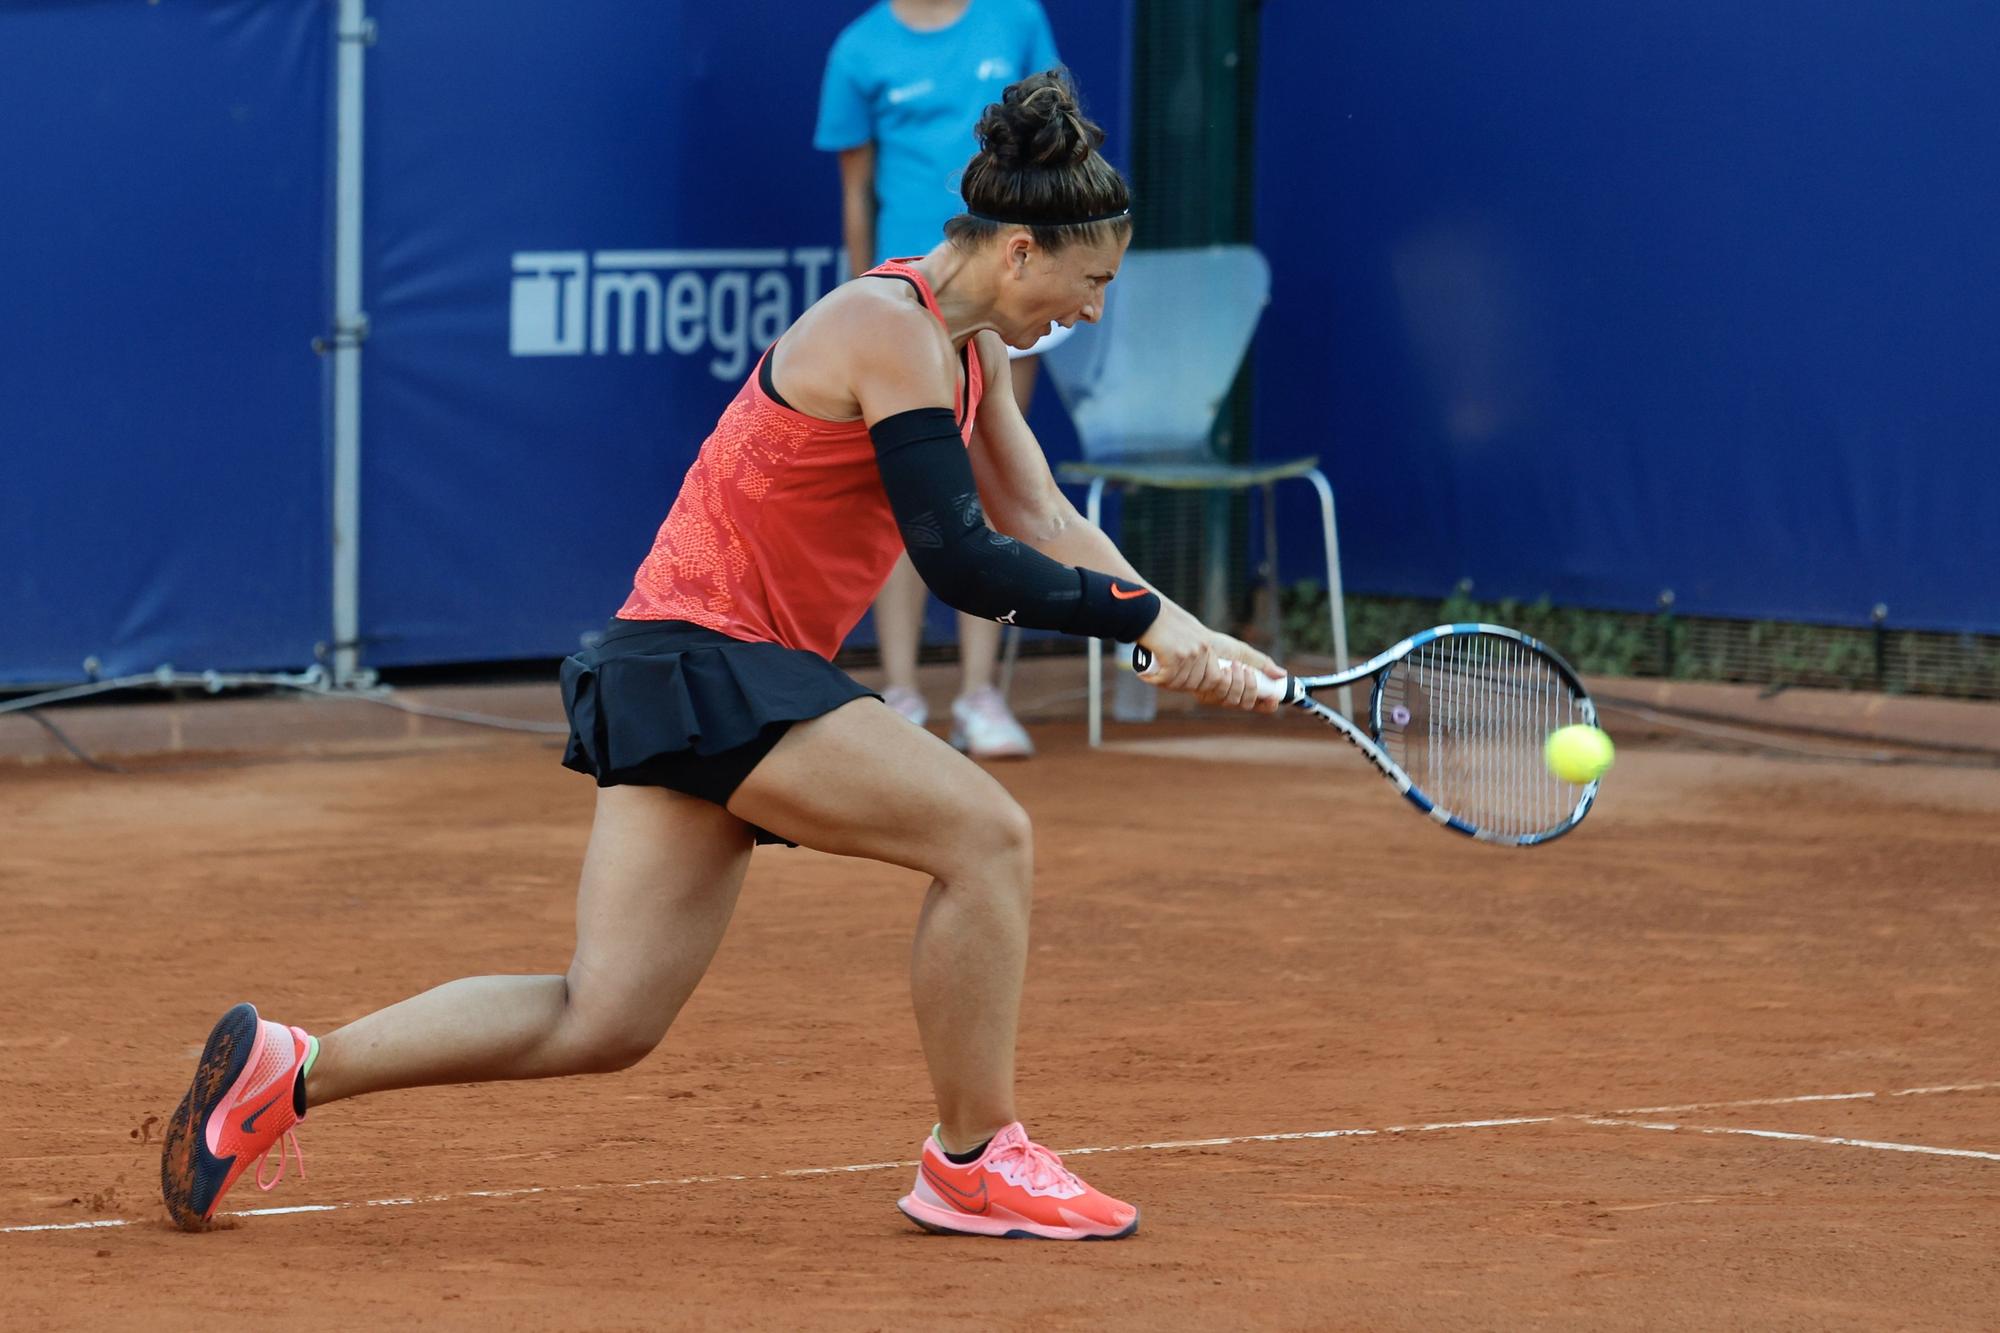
{"type": "Point", "coordinates": [1577, 754]}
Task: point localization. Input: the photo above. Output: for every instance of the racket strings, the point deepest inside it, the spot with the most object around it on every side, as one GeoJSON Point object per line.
{"type": "Point", "coordinates": [1467, 716]}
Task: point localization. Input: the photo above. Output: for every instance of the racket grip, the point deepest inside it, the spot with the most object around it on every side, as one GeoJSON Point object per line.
{"type": "Point", "coordinates": [1284, 691]}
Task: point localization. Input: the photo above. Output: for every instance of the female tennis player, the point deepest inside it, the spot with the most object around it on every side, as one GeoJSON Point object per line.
{"type": "Point", "coordinates": [712, 718]}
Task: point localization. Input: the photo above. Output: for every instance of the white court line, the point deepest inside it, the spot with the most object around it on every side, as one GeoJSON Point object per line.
{"type": "Point", "coordinates": [1171, 1145]}
{"type": "Point", "coordinates": [1753, 1101]}
{"type": "Point", "coordinates": [1800, 1138]}
{"type": "Point", "coordinates": [1814, 1097]}
{"type": "Point", "coordinates": [1299, 1135]}
{"type": "Point", "coordinates": [1946, 1087]}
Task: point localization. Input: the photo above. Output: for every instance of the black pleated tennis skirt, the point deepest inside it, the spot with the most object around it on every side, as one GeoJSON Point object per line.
{"type": "Point", "coordinates": [665, 703]}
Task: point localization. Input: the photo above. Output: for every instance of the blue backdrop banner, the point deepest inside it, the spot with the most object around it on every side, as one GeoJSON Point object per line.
{"type": "Point", "coordinates": [1599, 300]}
{"type": "Point", "coordinates": [584, 225]}
{"type": "Point", "coordinates": [163, 258]}
{"type": "Point", "coordinates": [581, 226]}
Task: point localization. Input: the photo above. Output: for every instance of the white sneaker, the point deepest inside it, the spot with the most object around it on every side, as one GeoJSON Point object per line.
{"type": "Point", "coordinates": [983, 728]}
{"type": "Point", "coordinates": [907, 702]}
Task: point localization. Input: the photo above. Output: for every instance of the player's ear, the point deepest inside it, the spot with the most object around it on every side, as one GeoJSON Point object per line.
{"type": "Point", "coordinates": [1020, 249]}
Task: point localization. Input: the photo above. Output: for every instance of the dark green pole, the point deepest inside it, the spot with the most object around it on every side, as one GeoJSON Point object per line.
{"type": "Point", "coordinates": [1194, 99]}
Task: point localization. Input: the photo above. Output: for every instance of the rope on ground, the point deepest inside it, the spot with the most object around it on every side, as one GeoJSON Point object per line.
{"type": "Point", "coordinates": [311, 684]}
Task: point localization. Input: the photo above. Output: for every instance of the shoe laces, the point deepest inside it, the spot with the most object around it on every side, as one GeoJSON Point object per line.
{"type": "Point", "coordinates": [1022, 1161]}
{"type": "Point", "coordinates": [907, 702]}
{"type": "Point", "coordinates": [289, 1139]}
{"type": "Point", "coordinates": [987, 706]}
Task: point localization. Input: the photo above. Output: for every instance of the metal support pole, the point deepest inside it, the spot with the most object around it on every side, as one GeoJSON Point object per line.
{"type": "Point", "coordinates": [354, 31]}
{"type": "Point", "coordinates": [1879, 617]}
{"type": "Point", "coordinates": [1665, 621]}
{"type": "Point", "coordinates": [1272, 593]}
{"type": "Point", "coordinates": [1093, 512]}
{"type": "Point", "coordinates": [1217, 530]}
{"type": "Point", "coordinates": [1336, 601]}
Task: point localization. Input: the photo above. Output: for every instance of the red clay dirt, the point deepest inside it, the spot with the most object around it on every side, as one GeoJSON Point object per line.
{"type": "Point", "coordinates": [1222, 949]}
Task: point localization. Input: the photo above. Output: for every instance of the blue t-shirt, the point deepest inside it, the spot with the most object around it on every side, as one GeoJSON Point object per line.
{"type": "Point", "coordinates": [916, 96]}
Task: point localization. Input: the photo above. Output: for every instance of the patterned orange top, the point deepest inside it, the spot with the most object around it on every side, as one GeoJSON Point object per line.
{"type": "Point", "coordinates": [781, 532]}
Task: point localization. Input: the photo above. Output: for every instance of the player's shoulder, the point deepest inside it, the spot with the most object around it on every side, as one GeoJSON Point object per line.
{"type": "Point", "coordinates": [878, 318]}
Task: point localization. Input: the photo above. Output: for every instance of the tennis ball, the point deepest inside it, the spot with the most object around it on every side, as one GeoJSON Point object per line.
{"type": "Point", "coordinates": [1577, 754]}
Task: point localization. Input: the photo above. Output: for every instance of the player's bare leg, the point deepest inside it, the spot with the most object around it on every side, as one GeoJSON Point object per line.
{"type": "Point", "coordinates": [659, 883]}
{"type": "Point", "coordinates": [861, 782]}
{"type": "Point", "coordinates": [905, 797]}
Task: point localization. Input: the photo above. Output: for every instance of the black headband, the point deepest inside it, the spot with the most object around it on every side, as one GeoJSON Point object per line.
{"type": "Point", "coordinates": [1047, 222]}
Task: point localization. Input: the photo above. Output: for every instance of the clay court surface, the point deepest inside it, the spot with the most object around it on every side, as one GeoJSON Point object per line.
{"type": "Point", "coordinates": [1224, 949]}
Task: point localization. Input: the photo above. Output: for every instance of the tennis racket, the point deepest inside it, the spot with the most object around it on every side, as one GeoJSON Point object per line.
{"type": "Point", "coordinates": [1457, 720]}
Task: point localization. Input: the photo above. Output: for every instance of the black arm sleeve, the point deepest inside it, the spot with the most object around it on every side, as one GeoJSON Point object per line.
{"type": "Point", "coordinates": [971, 567]}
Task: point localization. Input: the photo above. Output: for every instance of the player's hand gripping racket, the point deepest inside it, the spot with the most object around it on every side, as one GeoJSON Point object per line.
{"type": "Point", "coordinates": [1457, 720]}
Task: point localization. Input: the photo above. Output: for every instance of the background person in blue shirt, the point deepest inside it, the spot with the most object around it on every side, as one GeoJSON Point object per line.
{"type": "Point", "coordinates": [905, 84]}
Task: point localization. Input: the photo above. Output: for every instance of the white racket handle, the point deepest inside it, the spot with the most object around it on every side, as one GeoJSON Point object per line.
{"type": "Point", "coordinates": [1281, 690]}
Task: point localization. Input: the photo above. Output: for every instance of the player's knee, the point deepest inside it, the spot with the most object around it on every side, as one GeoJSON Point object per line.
{"type": "Point", "coordinates": [1014, 835]}
{"type": "Point", "coordinates": [998, 846]}
{"type": "Point", "coordinates": [608, 1050]}
{"type": "Point", "coordinates": [604, 1042]}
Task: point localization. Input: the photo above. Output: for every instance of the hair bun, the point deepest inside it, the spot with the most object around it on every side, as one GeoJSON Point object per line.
{"type": "Point", "coordinates": [1038, 166]}
{"type": "Point", "coordinates": [1037, 123]}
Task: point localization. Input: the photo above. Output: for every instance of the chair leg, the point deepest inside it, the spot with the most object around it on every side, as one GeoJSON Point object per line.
{"type": "Point", "coordinates": [1336, 602]}
{"type": "Point", "coordinates": [1093, 512]}
{"type": "Point", "coordinates": [1276, 614]}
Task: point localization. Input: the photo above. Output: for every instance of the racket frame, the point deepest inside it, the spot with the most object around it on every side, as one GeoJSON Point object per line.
{"type": "Point", "coordinates": [1297, 691]}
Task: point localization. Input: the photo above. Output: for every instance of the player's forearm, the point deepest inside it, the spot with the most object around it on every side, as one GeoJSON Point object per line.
{"type": "Point", "coordinates": [1066, 535]}
{"type": "Point", "coordinates": [972, 568]}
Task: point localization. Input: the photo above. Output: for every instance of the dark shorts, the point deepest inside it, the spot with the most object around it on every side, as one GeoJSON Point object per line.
{"type": "Point", "coordinates": [663, 703]}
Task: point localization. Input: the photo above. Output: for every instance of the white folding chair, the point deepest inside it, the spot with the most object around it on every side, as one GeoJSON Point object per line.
{"type": "Point", "coordinates": [1144, 386]}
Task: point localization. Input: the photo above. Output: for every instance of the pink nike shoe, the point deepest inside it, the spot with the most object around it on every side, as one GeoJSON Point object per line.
{"type": "Point", "coordinates": [1015, 1189]}
{"type": "Point", "coordinates": [240, 1107]}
